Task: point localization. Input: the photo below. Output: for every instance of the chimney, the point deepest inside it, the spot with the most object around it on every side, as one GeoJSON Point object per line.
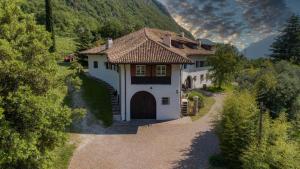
{"type": "Point", "coordinates": [182, 34]}
{"type": "Point", "coordinates": [109, 43]}
{"type": "Point", "coordinates": [167, 40]}
{"type": "Point", "coordinates": [200, 42]}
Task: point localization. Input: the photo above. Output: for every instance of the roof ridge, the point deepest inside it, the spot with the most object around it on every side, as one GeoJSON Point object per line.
{"type": "Point", "coordinates": [185, 56]}
{"type": "Point", "coordinates": [170, 50]}
{"type": "Point", "coordinates": [137, 46]}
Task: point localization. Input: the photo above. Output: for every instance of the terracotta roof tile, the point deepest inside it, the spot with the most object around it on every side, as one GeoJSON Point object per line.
{"type": "Point", "coordinates": [146, 46]}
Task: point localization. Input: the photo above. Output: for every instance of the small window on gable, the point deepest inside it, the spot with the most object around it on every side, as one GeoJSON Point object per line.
{"type": "Point", "coordinates": [161, 70]}
{"type": "Point", "coordinates": [140, 70]}
{"type": "Point", "coordinates": [165, 101]}
{"type": "Point", "coordinates": [95, 64]}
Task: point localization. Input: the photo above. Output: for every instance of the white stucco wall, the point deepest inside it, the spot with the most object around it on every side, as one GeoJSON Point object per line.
{"type": "Point", "coordinates": [192, 71]}
{"type": "Point", "coordinates": [107, 75]}
{"type": "Point", "coordinates": [163, 112]}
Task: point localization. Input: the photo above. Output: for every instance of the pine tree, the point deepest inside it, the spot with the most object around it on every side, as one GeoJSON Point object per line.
{"type": "Point", "coordinates": [287, 45]}
{"type": "Point", "coordinates": [50, 23]}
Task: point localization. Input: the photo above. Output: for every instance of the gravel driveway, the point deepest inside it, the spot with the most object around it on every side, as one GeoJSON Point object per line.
{"type": "Point", "coordinates": [150, 145]}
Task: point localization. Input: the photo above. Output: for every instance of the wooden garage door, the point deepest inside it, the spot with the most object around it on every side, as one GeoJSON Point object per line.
{"type": "Point", "coordinates": [143, 106]}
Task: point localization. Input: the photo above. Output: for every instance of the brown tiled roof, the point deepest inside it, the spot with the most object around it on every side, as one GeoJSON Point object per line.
{"type": "Point", "coordinates": [146, 46]}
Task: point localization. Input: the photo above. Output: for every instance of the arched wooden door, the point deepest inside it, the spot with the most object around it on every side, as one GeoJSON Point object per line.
{"type": "Point", "coordinates": [143, 106]}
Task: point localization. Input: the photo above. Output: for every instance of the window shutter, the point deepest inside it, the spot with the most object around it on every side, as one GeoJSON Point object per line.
{"type": "Point", "coordinates": [153, 70]}
{"type": "Point", "coordinates": [169, 70]}
{"type": "Point", "coordinates": [132, 70]}
{"type": "Point", "coordinates": [148, 70]}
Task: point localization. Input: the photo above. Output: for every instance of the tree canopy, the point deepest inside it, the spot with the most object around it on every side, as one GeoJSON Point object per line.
{"type": "Point", "coordinates": [33, 117]}
{"type": "Point", "coordinates": [225, 64]}
{"type": "Point", "coordinates": [287, 45]}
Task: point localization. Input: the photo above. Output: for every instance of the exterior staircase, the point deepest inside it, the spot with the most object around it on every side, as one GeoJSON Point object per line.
{"type": "Point", "coordinates": [115, 100]}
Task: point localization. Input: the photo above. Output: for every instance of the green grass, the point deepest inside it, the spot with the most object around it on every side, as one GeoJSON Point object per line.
{"type": "Point", "coordinates": [223, 89]}
{"type": "Point", "coordinates": [208, 102]}
{"type": "Point", "coordinates": [63, 155]}
{"type": "Point", "coordinates": [97, 98]}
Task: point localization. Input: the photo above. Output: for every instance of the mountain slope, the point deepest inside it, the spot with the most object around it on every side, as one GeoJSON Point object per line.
{"type": "Point", "coordinates": [131, 14]}
{"type": "Point", "coordinates": [260, 48]}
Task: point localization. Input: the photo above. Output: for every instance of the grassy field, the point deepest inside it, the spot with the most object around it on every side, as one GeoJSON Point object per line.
{"type": "Point", "coordinates": [98, 100]}
{"type": "Point", "coordinates": [223, 89]}
{"type": "Point", "coordinates": [63, 156]}
{"type": "Point", "coordinates": [208, 102]}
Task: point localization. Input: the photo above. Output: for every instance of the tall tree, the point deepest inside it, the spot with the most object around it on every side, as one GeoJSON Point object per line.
{"type": "Point", "coordinates": [225, 64]}
{"type": "Point", "coordinates": [33, 117]}
{"type": "Point", "coordinates": [50, 23]}
{"type": "Point", "coordinates": [287, 45]}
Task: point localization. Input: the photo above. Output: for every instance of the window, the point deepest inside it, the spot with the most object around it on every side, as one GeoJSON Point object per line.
{"type": "Point", "coordinates": [165, 101]}
{"type": "Point", "coordinates": [161, 70]}
{"type": "Point", "coordinates": [106, 65]}
{"type": "Point", "coordinates": [184, 66]}
{"type": "Point", "coordinates": [140, 70]}
{"type": "Point", "coordinates": [200, 64]}
{"type": "Point", "coordinates": [95, 64]}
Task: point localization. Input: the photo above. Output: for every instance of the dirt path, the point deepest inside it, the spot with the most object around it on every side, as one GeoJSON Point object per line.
{"type": "Point", "coordinates": [175, 144]}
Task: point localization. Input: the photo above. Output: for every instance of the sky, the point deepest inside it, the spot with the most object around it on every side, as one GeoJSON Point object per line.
{"type": "Point", "coordinates": [238, 22]}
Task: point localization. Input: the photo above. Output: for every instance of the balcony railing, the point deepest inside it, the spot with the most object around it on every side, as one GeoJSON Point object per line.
{"type": "Point", "coordinates": [151, 80]}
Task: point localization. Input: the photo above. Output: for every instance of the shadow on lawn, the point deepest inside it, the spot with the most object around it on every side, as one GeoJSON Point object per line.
{"type": "Point", "coordinates": [203, 146]}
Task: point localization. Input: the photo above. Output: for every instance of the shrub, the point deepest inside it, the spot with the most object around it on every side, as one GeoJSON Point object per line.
{"type": "Point", "coordinates": [191, 96]}
{"type": "Point", "coordinates": [276, 150]}
{"type": "Point", "coordinates": [237, 127]}
{"type": "Point", "coordinates": [217, 160]}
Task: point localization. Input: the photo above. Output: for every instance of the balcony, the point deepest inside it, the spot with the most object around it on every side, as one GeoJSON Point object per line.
{"type": "Point", "coordinates": [151, 80]}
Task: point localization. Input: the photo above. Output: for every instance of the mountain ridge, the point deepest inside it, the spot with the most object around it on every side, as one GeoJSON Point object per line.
{"type": "Point", "coordinates": [131, 14]}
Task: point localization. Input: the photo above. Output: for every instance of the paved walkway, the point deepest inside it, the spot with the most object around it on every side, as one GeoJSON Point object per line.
{"type": "Point", "coordinates": [150, 145]}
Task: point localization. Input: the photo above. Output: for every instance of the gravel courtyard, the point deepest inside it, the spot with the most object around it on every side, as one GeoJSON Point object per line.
{"type": "Point", "coordinates": [146, 145]}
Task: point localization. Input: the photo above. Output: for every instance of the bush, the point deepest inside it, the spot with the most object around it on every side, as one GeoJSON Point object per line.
{"type": "Point", "coordinates": [237, 127]}
{"type": "Point", "coordinates": [217, 161]}
{"type": "Point", "coordinates": [191, 96]}
{"type": "Point", "coordinates": [276, 150]}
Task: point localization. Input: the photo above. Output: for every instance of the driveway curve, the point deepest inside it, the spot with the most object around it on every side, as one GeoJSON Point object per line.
{"type": "Point", "coordinates": [144, 145]}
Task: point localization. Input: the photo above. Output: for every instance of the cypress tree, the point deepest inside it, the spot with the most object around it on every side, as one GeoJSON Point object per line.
{"type": "Point", "coordinates": [49, 23]}
{"type": "Point", "coordinates": [287, 45]}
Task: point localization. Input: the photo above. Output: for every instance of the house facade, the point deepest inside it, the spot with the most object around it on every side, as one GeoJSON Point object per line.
{"type": "Point", "coordinates": [147, 69]}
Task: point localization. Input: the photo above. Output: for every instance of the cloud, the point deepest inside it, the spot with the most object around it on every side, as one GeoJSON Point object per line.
{"type": "Point", "coordinates": [239, 22]}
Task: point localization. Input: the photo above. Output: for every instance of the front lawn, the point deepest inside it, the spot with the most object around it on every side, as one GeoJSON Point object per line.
{"type": "Point", "coordinates": [97, 98]}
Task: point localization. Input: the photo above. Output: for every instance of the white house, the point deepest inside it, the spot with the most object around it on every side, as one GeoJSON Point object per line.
{"type": "Point", "coordinates": [147, 68]}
